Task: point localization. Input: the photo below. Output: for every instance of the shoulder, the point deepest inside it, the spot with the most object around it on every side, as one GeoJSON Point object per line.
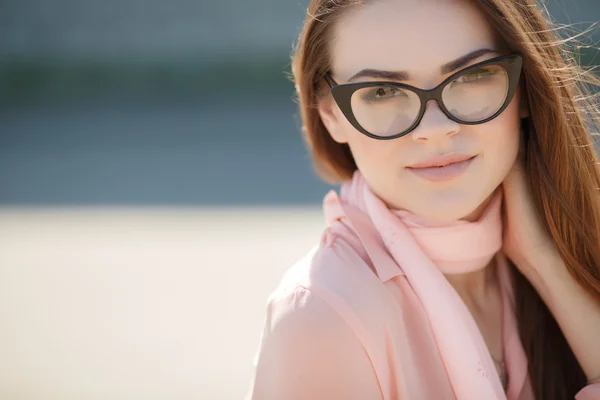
{"type": "Point", "coordinates": [311, 341]}
{"type": "Point", "coordinates": [308, 349]}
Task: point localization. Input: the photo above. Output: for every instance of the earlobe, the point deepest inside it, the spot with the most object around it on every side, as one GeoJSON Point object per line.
{"type": "Point", "coordinates": [331, 119]}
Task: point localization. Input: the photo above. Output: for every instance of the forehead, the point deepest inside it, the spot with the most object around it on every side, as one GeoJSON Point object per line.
{"type": "Point", "coordinates": [412, 35]}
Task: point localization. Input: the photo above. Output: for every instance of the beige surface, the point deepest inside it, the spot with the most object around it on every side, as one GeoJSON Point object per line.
{"type": "Point", "coordinates": [139, 303]}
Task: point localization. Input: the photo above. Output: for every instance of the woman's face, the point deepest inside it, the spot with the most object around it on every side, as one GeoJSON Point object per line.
{"type": "Point", "coordinates": [419, 37]}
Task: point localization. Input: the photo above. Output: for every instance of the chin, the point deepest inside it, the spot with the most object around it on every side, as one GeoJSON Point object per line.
{"type": "Point", "coordinates": [442, 204]}
{"type": "Point", "coordinates": [452, 207]}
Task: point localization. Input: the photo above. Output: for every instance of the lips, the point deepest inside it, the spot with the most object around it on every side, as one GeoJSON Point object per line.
{"type": "Point", "coordinates": [441, 161]}
{"type": "Point", "coordinates": [442, 168]}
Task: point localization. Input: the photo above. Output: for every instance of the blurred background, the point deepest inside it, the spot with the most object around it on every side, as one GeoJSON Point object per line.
{"type": "Point", "coordinates": [153, 189]}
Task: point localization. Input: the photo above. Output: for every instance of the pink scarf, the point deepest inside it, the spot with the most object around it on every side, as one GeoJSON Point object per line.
{"type": "Point", "coordinates": [425, 252]}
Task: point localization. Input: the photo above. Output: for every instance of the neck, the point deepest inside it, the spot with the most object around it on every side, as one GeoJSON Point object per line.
{"type": "Point", "coordinates": [475, 287]}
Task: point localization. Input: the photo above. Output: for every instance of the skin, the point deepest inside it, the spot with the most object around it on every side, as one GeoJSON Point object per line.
{"type": "Point", "coordinates": [389, 35]}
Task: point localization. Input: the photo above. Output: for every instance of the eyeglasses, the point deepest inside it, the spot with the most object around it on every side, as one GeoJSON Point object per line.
{"type": "Point", "coordinates": [471, 96]}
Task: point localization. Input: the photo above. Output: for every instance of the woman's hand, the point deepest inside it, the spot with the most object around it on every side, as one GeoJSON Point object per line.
{"type": "Point", "coordinates": [526, 241]}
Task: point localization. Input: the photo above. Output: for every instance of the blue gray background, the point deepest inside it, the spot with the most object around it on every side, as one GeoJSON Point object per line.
{"type": "Point", "coordinates": [181, 102]}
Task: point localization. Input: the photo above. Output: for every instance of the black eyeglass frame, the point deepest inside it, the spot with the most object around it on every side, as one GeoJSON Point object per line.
{"type": "Point", "coordinates": [342, 93]}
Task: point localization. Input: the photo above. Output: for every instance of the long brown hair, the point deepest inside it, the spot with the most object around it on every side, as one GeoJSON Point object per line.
{"type": "Point", "coordinates": [561, 162]}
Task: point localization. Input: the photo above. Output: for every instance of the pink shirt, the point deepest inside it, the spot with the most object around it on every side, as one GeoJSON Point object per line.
{"type": "Point", "coordinates": [341, 326]}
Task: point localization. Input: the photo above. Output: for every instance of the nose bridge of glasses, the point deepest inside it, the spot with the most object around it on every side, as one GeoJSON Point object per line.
{"type": "Point", "coordinates": [435, 93]}
{"type": "Point", "coordinates": [426, 100]}
{"type": "Point", "coordinates": [434, 114]}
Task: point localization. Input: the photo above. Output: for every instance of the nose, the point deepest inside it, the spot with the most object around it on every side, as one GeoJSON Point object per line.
{"type": "Point", "coordinates": [434, 124]}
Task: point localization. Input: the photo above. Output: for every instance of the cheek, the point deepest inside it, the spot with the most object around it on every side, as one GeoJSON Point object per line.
{"type": "Point", "coordinates": [379, 156]}
{"type": "Point", "coordinates": [369, 152]}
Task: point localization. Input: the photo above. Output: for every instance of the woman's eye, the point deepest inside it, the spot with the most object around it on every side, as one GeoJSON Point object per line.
{"type": "Point", "coordinates": [382, 92]}
{"type": "Point", "coordinates": [474, 75]}
{"type": "Point", "coordinates": [386, 92]}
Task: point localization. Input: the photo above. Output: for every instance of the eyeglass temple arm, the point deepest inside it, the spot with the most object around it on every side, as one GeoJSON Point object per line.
{"type": "Point", "coordinates": [329, 79]}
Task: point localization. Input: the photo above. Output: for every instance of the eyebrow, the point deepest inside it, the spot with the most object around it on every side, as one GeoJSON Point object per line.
{"type": "Point", "coordinates": [404, 76]}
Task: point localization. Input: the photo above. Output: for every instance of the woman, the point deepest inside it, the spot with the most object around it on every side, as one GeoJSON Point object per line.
{"type": "Point", "coordinates": [461, 259]}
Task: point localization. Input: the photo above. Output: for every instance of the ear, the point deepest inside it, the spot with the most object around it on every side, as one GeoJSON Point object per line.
{"type": "Point", "coordinates": [332, 118]}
